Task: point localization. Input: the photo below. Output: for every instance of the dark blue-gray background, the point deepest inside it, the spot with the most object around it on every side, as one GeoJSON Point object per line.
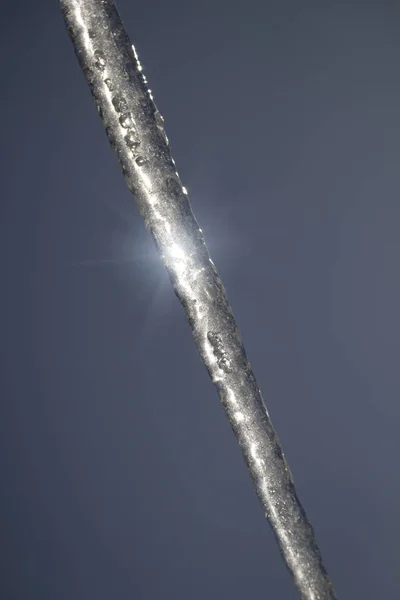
{"type": "Point", "coordinates": [120, 476]}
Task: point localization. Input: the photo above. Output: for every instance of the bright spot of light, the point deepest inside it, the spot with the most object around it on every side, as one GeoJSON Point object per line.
{"type": "Point", "coordinates": [176, 252]}
{"type": "Point", "coordinates": [140, 68]}
{"type": "Point", "coordinates": [239, 416]}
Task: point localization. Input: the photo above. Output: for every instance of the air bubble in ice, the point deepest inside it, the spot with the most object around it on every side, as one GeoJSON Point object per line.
{"type": "Point", "coordinates": [99, 60]}
{"type": "Point", "coordinates": [120, 104]}
{"type": "Point", "coordinates": [126, 120]}
{"type": "Point", "coordinates": [132, 140]}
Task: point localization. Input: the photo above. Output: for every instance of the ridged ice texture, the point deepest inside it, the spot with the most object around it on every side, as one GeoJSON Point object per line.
{"type": "Point", "coordinates": [135, 130]}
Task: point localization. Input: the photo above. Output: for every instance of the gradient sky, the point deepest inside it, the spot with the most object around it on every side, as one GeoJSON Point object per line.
{"type": "Point", "coordinates": [120, 476]}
